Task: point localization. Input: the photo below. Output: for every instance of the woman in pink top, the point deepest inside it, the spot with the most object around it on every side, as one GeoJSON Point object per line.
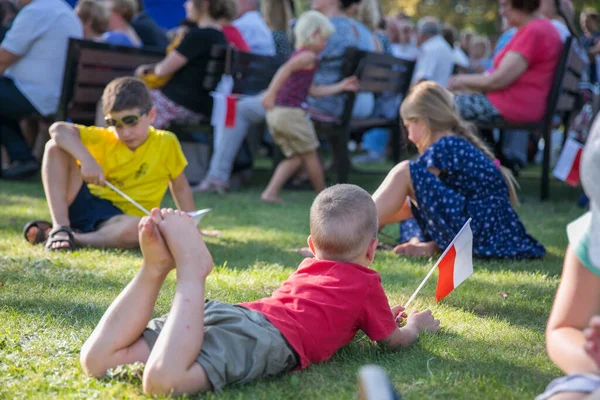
{"type": "Point", "coordinates": [519, 83]}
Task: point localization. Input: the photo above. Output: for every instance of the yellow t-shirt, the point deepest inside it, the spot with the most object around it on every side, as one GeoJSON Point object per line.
{"type": "Point", "coordinates": [142, 174]}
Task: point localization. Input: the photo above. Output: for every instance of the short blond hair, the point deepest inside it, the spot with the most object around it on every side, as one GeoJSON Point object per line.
{"type": "Point", "coordinates": [343, 221]}
{"type": "Point", "coordinates": [93, 12]}
{"type": "Point", "coordinates": [125, 8]}
{"type": "Point", "coordinates": [310, 23]}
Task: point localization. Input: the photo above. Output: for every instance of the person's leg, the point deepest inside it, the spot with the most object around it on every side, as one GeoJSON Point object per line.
{"type": "Point", "coordinates": [117, 339]}
{"type": "Point", "coordinates": [312, 164]}
{"type": "Point", "coordinates": [13, 106]}
{"type": "Point", "coordinates": [390, 196]}
{"type": "Point", "coordinates": [172, 366]}
{"type": "Point", "coordinates": [249, 111]}
{"type": "Point", "coordinates": [282, 174]}
{"type": "Point", "coordinates": [514, 146]}
{"type": "Point", "coordinates": [62, 181]}
{"type": "Point", "coordinates": [118, 232]}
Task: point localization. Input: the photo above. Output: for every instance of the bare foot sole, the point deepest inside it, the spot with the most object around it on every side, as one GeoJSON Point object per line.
{"type": "Point", "coordinates": [211, 233]}
{"type": "Point", "coordinates": [417, 249]}
{"type": "Point", "coordinates": [273, 200]}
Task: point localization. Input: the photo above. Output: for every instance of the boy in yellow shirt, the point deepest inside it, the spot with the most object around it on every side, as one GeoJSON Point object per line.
{"type": "Point", "coordinates": [130, 154]}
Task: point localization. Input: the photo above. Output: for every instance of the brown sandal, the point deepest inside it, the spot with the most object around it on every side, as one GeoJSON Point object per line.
{"type": "Point", "coordinates": [61, 234]}
{"type": "Point", "coordinates": [42, 227]}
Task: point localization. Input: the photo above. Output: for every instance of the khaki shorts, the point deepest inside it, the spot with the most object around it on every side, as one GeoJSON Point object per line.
{"type": "Point", "coordinates": [239, 345]}
{"type": "Point", "coordinates": [292, 130]}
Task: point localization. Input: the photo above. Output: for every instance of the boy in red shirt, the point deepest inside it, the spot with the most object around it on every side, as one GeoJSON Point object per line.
{"type": "Point", "coordinates": [204, 345]}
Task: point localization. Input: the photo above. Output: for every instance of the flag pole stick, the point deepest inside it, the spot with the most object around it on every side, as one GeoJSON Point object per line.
{"type": "Point", "coordinates": [410, 300]}
{"type": "Point", "coordinates": [132, 201]}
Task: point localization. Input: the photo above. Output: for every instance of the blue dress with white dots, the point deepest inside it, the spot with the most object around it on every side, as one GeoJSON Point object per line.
{"type": "Point", "coordinates": [469, 186]}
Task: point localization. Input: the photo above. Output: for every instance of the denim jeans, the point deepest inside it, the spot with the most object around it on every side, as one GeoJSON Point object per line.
{"type": "Point", "coordinates": [14, 106]}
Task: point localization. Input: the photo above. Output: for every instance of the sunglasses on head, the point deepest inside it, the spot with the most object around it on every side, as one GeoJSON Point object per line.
{"type": "Point", "coordinates": [128, 120]}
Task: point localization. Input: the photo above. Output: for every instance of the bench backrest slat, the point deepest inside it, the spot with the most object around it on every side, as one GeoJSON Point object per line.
{"type": "Point", "coordinates": [564, 94]}
{"type": "Point", "coordinates": [377, 73]}
{"type": "Point", "coordinates": [89, 67]}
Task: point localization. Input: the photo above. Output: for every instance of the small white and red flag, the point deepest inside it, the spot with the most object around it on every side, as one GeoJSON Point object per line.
{"type": "Point", "coordinates": [455, 265]}
{"type": "Point", "coordinates": [224, 104]}
{"type": "Point", "coordinates": [567, 167]}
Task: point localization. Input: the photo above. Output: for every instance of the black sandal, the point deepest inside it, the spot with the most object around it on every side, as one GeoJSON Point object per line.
{"type": "Point", "coordinates": [42, 227]}
{"type": "Point", "coordinates": [60, 234]}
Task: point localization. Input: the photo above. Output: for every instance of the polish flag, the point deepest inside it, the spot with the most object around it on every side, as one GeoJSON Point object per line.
{"type": "Point", "coordinates": [224, 110]}
{"type": "Point", "coordinates": [224, 104]}
{"type": "Point", "coordinates": [456, 264]}
{"type": "Point", "coordinates": [567, 167]}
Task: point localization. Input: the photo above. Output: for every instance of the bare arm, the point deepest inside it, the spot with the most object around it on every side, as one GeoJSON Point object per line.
{"type": "Point", "coordinates": [348, 84]}
{"type": "Point", "coordinates": [417, 322]}
{"type": "Point", "coordinates": [7, 59]}
{"type": "Point", "coordinates": [513, 65]}
{"type": "Point", "coordinates": [182, 193]}
{"type": "Point", "coordinates": [577, 301]}
{"type": "Point", "coordinates": [172, 63]}
{"type": "Point", "coordinates": [68, 138]}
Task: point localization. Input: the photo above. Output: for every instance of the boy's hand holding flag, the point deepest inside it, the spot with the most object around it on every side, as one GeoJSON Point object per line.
{"type": "Point", "coordinates": [455, 265]}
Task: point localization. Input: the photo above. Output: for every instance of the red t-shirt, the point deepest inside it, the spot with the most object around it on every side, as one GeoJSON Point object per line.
{"type": "Point", "coordinates": [322, 305]}
{"type": "Point", "coordinates": [235, 38]}
{"type": "Point", "coordinates": [525, 99]}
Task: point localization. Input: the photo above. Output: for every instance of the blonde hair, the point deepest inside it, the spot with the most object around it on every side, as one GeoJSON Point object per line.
{"type": "Point", "coordinates": [228, 10]}
{"type": "Point", "coordinates": [94, 12]}
{"type": "Point", "coordinates": [482, 40]}
{"type": "Point", "coordinates": [277, 14]}
{"type": "Point", "coordinates": [429, 102]}
{"type": "Point", "coordinates": [310, 23]}
{"type": "Point", "coordinates": [343, 221]}
{"type": "Point", "coordinates": [369, 14]}
{"type": "Point", "coordinates": [125, 8]}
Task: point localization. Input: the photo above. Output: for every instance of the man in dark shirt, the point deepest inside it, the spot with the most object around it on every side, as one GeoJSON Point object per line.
{"type": "Point", "coordinates": [151, 34]}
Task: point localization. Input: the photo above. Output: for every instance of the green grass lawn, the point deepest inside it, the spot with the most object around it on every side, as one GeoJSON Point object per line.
{"type": "Point", "coordinates": [490, 346]}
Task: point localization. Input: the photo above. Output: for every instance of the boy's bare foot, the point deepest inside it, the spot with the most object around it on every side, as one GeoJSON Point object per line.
{"type": "Point", "coordinates": [271, 199]}
{"type": "Point", "coordinates": [415, 248]}
{"type": "Point", "coordinates": [305, 252]}
{"type": "Point", "coordinates": [153, 246]}
{"type": "Point", "coordinates": [185, 242]}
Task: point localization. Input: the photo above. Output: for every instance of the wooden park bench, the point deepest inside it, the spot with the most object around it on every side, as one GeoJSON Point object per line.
{"type": "Point", "coordinates": [562, 101]}
{"type": "Point", "coordinates": [378, 74]}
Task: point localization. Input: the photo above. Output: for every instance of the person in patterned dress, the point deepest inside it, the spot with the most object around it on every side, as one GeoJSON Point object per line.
{"type": "Point", "coordinates": [455, 177]}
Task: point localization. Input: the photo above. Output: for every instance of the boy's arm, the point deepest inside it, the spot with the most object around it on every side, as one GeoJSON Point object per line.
{"type": "Point", "coordinates": [182, 193]}
{"type": "Point", "coordinates": [349, 84]}
{"type": "Point", "coordinates": [417, 322]}
{"type": "Point", "coordinates": [301, 61]}
{"type": "Point", "coordinates": [68, 138]}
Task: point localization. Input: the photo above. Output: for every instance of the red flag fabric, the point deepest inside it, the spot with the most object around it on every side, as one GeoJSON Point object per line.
{"type": "Point", "coordinates": [456, 264]}
{"type": "Point", "coordinates": [567, 167]}
{"type": "Point", "coordinates": [231, 111]}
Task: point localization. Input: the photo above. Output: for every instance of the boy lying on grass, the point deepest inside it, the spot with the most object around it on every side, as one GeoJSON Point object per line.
{"type": "Point", "coordinates": [204, 345]}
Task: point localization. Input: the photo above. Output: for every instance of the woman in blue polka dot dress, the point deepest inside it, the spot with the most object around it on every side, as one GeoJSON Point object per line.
{"type": "Point", "coordinates": [456, 177]}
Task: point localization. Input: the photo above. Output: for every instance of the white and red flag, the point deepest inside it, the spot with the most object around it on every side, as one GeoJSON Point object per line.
{"type": "Point", "coordinates": [224, 104]}
{"type": "Point", "coordinates": [567, 167]}
{"type": "Point", "coordinates": [455, 265]}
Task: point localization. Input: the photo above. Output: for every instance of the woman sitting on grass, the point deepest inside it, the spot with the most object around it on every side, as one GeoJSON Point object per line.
{"type": "Point", "coordinates": [455, 178]}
